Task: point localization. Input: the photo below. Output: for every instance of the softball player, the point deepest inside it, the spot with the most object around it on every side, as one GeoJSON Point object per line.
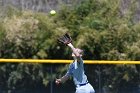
{"type": "Point", "coordinates": [76, 69]}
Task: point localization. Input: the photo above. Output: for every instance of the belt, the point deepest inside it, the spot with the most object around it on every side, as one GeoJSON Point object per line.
{"type": "Point", "coordinates": [82, 84]}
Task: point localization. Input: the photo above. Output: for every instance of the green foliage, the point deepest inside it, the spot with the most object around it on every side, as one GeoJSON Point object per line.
{"type": "Point", "coordinates": [97, 26]}
{"type": "Point", "coordinates": [2, 33]}
{"type": "Point", "coordinates": [101, 29]}
{"type": "Point", "coordinates": [16, 76]}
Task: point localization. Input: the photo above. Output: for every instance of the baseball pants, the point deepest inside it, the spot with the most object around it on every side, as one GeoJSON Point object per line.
{"type": "Point", "coordinates": [85, 89]}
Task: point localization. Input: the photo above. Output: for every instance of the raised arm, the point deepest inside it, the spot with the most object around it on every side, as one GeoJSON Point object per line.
{"type": "Point", "coordinates": [66, 40]}
{"type": "Point", "coordinates": [74, 50]}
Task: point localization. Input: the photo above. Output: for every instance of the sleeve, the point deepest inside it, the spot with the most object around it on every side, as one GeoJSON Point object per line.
{"type": "Point", "coordinates": [69, 72]}
{"type": "Point", "coordinates": [81, 60]}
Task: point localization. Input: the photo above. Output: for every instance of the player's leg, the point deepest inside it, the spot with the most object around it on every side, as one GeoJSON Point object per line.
{"type": "Point", "coordinates": [81, 89]}
{"type": "Point", "coordinates": [85, 89]}
{"type": "Point", "coordinates": [90, 88]}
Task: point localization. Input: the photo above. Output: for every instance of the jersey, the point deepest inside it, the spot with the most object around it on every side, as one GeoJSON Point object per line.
{"type": "Point", "coordinates": [76, 70]}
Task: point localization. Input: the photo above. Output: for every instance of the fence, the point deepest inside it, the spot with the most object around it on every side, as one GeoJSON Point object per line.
{"type": "Point", "coordinates": [87, 62]}
{"type": "Point", "coordinates": [67, 61]}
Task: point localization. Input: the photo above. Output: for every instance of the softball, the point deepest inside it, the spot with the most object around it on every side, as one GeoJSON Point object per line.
{"type": "Point", "coordinates": [52, 12]}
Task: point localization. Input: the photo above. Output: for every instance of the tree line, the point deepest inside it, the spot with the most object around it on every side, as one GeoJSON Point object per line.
{"type": "Point", "coordinates": [96, 26]}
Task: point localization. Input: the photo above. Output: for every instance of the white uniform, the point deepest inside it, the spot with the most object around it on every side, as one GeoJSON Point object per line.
{"type": "Point", "coordinates": [76, 70]}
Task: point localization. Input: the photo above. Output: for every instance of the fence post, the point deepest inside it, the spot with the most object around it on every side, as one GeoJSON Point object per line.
{"type": "Point", "coordinates": [99, 79]}
{"type": "Point", "coordinates": [51, 84]}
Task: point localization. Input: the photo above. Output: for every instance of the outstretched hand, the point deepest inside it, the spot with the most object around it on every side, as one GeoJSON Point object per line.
{"type": "Point", "coordinates": [66, 40]}
{"type": "Point", "coordinates": [58, 81]}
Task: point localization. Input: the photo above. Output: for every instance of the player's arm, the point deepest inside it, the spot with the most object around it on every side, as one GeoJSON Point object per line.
{"type": "Point", "coordinates": [66, 40]}
{"type": "Point", "coordinates": [62, 80]}
{"type": "Point", "coordinates": [75, 52]}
